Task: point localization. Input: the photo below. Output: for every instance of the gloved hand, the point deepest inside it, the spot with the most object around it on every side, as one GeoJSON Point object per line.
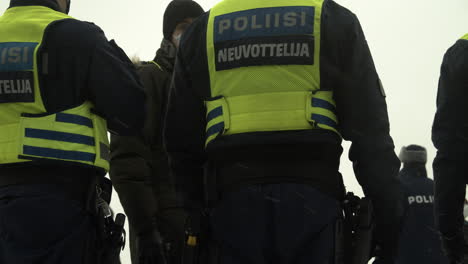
{"type": "Point", "coordinates": [454, 247]}
{"type": "Point", "coordinates": [172, 225]}
{"type": "Point", "coordinates": [149, 247]}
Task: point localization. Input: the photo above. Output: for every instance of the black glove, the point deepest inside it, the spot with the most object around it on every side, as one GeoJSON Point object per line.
{"type": "Point", "coordinates": [454, 248]}
{"type": "Point", "coordinates": [149, 247]}
{"type": "Point", "coordinates": [172, 225]}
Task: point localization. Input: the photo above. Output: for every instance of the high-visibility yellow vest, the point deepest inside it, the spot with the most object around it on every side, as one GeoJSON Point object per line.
{"type": "Point", "coordinates": [264, 67]}
{"type": "Point", "coordinates": [465, 37]}
{"type": "Point", "coordinates": [27, 131]}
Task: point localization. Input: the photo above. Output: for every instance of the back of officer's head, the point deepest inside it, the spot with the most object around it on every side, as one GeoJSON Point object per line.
{"type": "Point", "coordinates": [413, 156]}
{"type": "Point", "coordinates": [176, 12]}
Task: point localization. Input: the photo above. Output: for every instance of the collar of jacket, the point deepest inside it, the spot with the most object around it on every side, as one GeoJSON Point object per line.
{"type": "Point", "coordinates": [166, 54]}
{"type": "Point", "coordinates": [47, 3]}
{"type": "Point", "coordinates": [414, 171]}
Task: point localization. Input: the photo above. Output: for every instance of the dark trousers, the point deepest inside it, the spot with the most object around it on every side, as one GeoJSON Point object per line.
{"type": "Point", "coordinates": [275, 224]}
{"type": "Point", "coordinates": [39, 225]}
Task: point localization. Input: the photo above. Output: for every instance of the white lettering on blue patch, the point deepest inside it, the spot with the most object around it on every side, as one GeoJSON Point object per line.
{"type": "Point", "coordinates": [17, 56]}
{"type": "Point", "coordinates": [274, 21]}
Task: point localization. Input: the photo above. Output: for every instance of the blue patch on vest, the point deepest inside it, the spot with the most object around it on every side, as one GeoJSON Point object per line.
{"type": "Point", "coordinates": [264, 22]}
{"type": "Point", "coordinates": [17, 56]}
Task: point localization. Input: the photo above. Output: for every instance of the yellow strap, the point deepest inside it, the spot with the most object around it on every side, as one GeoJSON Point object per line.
{"type": "Point", "coordinates": [157, 65]}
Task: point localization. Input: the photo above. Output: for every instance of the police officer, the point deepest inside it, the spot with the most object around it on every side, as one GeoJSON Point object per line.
{"type": "Point", "coordinates": [62, 86]}
{"type": "Point", "coordinates": [263, 94]}
{"type": "Point", "coordinates": [449, 135]}
{"type": "Point", "coordinates": [419, 242]}
{"type": "Point", "coordinates": [139, 166]}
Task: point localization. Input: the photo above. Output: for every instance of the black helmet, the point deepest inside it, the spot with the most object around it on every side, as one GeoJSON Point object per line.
{"type": "Point", "coordinates": [176, 12]}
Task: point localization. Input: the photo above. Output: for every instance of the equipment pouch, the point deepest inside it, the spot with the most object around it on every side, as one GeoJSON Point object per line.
{"type": "Point", "coordinates": [359, 228]}
{"type": "Point", "coordinates": [363, 237]}
{"type": "Point", "coordinates": [191, 250]}
{"type": "Point", "coordinates": [112, 231]}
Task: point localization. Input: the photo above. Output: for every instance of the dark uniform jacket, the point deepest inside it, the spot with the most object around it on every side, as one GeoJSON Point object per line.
{"type": "Point", "coordinates": [450, 137]}
{"type": "Point", "coordinates": [307, 156]}
{"type": "Point", "coordinates": [81, 65]}
{"type": "Point", "coordinates": [419, 241]}
{"type": "Point", "coordinates": [139, 166]}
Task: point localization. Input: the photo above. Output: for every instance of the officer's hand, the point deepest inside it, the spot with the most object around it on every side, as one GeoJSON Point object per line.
{"type": "Point", "coordinates": [454, 248]}
{"type": "Point", "coordinates": [149, 248]}
{"type": "Point", "coordinates": [172, 225]}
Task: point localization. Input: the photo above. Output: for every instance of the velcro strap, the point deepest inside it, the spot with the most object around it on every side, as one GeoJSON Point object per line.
{"type": "Point", "coordinates": [280, 111]}
{"type": "Point", "coordinates": [322, 110]}
{"type": "Point", "coordinates": [217, 118]}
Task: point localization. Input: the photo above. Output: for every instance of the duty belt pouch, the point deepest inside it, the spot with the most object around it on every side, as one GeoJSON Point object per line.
{"type": "Point", "coordinates": [92, 195]}
{"type": "Point", "coordinates": [358, 226]}
{"type": "Point", "coordinates": [198, 247]}
{"type": "Point", "coordinates": [191, 250]}
{"type": "Point", "coordinates": [364, 232]}
{"type": "Point", "coordinates": [98, 215]}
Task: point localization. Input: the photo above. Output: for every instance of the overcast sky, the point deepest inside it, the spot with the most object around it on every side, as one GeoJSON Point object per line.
{"type": "Point", "coordinates": [407, 38]}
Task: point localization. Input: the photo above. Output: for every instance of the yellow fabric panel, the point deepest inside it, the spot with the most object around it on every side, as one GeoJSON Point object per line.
{"type": "Point", "coordinates": [264, 112]}
{"type": "Point", "coordinates": [268, 102]}
{"type": "Point", "coordinates": [267, 112]}
{"type": "Point", "coordinates": [263, 79]}
{"type": "Point", "coordinates": [32, 20]}
{"type": "Point", "coordinates": [99, 133]}
{"type": "Point", "coordinates": [215, 121]}
{"type": "Point", "coordinates": [9, 140]}
{"type": "Point", "coordinates": [268, 121]}
{"type": "Point", "coordinates": [325, 95]}
{"type": "Point", "coordinates": [269, 97]}
{"type": "Point", "coordinates": [100, 136]}
{"type": "Point", "coordinates": [211, 138]}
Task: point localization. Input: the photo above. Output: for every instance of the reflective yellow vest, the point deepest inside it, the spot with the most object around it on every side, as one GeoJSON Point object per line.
{"type": "Point", "coordinates": [27, 131]}
{"type": "Point", "coordinates": [465, 37]}
{"type": "Point", "coordinates": [264, 67]}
